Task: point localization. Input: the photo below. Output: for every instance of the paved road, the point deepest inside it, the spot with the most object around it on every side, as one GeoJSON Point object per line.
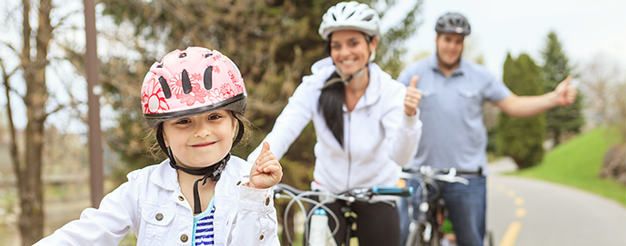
{"type": "Point", "coordinates": [528, 212]}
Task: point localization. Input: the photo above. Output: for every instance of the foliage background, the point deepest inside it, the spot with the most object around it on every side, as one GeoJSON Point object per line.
{"type": "Point", "coordinates": [522, 139]}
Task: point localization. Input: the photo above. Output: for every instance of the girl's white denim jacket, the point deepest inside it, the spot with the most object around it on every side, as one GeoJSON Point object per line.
{"type": "Point", "coordinates": [152, 205]}
{"type": "Point", "coordinates": [378, 136]}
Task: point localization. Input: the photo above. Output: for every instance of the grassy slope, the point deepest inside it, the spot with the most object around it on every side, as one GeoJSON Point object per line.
{"type": "Point", "coordinates": [577, 163]}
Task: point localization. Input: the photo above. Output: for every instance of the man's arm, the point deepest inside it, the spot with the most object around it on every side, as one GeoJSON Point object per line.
{"type": "Point", "coordinates": [527, 106]}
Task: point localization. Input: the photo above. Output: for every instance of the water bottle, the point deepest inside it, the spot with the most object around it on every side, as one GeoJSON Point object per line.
{"type": "Point", "coordinates": [319, 231]}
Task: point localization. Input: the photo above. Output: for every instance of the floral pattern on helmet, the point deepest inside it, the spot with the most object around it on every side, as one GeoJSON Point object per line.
{"type": "Point", "coordinates": [152, 99]}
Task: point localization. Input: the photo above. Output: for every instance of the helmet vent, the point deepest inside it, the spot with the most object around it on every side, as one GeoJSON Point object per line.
{"type": "Point", "coordinates": [368, 18]}
{"type": "Point", "coordinates": [160, 65]}
{"type": "Point", "coordinates": [186, 82]}
{"type": "Point", "coordinates": [208, 78]}
{"type": "Point", "coordinates": [166, 88]}
{"type": "Point", "coordinates": [182, 55]}
{"type": "Point", "coordinates": [351, 14]}
{"type": "Point", "coordinates": [207, 55]}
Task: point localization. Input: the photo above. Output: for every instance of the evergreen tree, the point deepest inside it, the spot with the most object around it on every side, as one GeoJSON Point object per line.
{"type": "Point", "coordinates": [522, 139]}
{"type": "Point", "coordinates": [559, 120]}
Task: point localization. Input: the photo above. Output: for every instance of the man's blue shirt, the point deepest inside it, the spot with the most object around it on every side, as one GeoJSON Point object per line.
{"type": "Point", "coordinates": [453, 133]}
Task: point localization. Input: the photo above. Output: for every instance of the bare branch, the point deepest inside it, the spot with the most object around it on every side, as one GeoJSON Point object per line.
{"type": "Point", "coordinates": [13, 141]}
{"type": "Point", "coordinates": [57, 109]}
{"type": "Point", "coordinates": [10, 46]}
{"type": "Point", "coordinates": [64, 18]}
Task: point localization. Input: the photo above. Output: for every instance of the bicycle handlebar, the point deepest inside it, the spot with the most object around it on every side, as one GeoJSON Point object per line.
{"type": "Point", "coordinates": [358, 193]}
{"type": "Point", "coordinates": [446, 175]}
{"type": "Point", "coordinates": [395, 191]}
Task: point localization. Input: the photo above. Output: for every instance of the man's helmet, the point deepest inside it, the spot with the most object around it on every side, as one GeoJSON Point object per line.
{"type": "Point", "coordinates": [191, 82]}
{"type": "Point", "coordinates": [350, 16]}
{"type": "Point", "coordinates": [453, 23]}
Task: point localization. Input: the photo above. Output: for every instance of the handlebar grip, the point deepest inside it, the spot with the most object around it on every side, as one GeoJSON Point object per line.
{"type": "Point", "coordinates": [389, 190]}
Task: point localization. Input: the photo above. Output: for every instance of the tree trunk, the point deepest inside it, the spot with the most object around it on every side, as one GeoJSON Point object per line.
{"type": "Point", "coordinates": [29, 183]}
{"type": "Point", "coordinates": [556, 138]}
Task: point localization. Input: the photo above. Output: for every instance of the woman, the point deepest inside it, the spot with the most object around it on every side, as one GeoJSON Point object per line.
{"type": "Point", "coordinates": [366, 122]}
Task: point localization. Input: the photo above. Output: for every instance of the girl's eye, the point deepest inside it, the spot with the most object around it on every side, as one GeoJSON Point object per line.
{"type": "Point", "coordinates": [334, 47]}
{"type": "Point", "coordinates": [183, 121]}
{"type": "Point", "coordinates": [354, 44]}
{"type": "Point", "coordinates": [214, 116]}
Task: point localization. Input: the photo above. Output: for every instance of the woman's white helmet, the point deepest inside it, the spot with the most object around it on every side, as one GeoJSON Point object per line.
{"type": "Point", "coordinates": [350, 16]}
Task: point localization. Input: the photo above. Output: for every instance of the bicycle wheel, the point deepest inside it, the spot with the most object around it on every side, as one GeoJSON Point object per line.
{"type": "Point", "coordinates": [416, 236]}
{"type": "Point", "coordinates": [435, 237]}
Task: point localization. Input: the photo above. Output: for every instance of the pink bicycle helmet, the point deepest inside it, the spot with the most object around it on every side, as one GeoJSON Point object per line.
{"type": "Point", "coordinates": [191, 82]}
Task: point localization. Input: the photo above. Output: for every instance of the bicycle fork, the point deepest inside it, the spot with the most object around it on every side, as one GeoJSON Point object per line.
{"type": "Point", "coordinates": [350, 222]}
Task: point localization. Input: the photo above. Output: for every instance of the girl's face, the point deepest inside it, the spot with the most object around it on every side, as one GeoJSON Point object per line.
{"type": "Point", "coordinates": [202, 140]}
{"type": "Point", "coordinates": [350, 50]}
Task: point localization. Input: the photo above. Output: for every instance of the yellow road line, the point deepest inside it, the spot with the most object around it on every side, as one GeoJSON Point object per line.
{"type": "Point", "coordinates": [519, 201]}
{"type": "Point", "coordinates": [511, 234]}
{"type": "Point", "coordinates": [510, 193]}
{"type": "Point", "coordinates": [520, 212]}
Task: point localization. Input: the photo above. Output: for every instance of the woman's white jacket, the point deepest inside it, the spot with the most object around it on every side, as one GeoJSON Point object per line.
{"type": "Point", "coordinates": [152, 205]}
{"type": "Point", "coordinates": [378, 135]}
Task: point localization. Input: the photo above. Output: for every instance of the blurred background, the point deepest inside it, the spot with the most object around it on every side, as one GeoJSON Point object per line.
{"type": "Point", "coordinates": [531, 45]}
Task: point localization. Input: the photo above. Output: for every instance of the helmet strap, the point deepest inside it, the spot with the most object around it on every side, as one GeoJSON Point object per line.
{"type": "Point", "coordinates": [342, 77]}
{"type": "Point", "coordinates": [240, 130]}
{"type": "Point", "coordinates": [214, 176]}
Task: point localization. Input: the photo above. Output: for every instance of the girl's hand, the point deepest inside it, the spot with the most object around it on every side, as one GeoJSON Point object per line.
{"type": "Point", "coordinates": [413, 97]}
{"type": "Point", "coordinates": [266, 170]}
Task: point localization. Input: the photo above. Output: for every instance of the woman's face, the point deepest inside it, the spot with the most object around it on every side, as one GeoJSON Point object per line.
{"type": "Point", "coordinates": [350, 50]}
{"type": "Point", "coordinates": [202, 140]}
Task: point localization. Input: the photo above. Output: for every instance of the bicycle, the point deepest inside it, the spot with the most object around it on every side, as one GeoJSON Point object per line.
{"type": "Point", "coordinates": [427, 229]}
{"type": "Point", "coordinates": [318, 232]}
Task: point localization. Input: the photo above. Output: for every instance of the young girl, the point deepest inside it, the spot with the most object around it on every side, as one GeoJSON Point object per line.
{"type": "Point", "coordinates": [366, 123]}
{"type": "Point", "coordinates": [200, 195]}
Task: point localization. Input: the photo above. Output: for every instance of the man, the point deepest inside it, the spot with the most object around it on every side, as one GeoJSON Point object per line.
{"type": "Point", "coordinates": [453, 90]}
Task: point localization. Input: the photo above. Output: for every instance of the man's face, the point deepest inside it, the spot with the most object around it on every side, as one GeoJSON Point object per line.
{"type": "Point", "coordinates": [449, 47]}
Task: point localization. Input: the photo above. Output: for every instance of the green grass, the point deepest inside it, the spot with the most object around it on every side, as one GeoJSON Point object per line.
{"type": "Point", "coordinates": [578, 162]}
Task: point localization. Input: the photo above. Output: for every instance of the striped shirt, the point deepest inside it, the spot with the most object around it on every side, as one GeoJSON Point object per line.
{"type": "Point", "coordinates": [203, 227]}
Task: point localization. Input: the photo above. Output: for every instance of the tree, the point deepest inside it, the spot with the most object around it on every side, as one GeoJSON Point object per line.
{"type": "Point", "coordinates": [604, 81]}
{"type": "Point", "coordinates": [560, 120]}
{"type": "Point", "coordinates": [26, 157]}
{"type": "Point", "coordinates": [521, 138]}
{"type": "Point", "coordinates": [392, 43]}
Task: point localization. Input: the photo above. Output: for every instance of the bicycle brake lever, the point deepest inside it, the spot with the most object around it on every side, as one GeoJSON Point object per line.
{"type": "Point", "coordinates": [461, 180]}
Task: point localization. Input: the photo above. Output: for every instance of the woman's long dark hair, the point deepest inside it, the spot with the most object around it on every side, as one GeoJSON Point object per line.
{"type": "Point", "coordinates": [330, 105]}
